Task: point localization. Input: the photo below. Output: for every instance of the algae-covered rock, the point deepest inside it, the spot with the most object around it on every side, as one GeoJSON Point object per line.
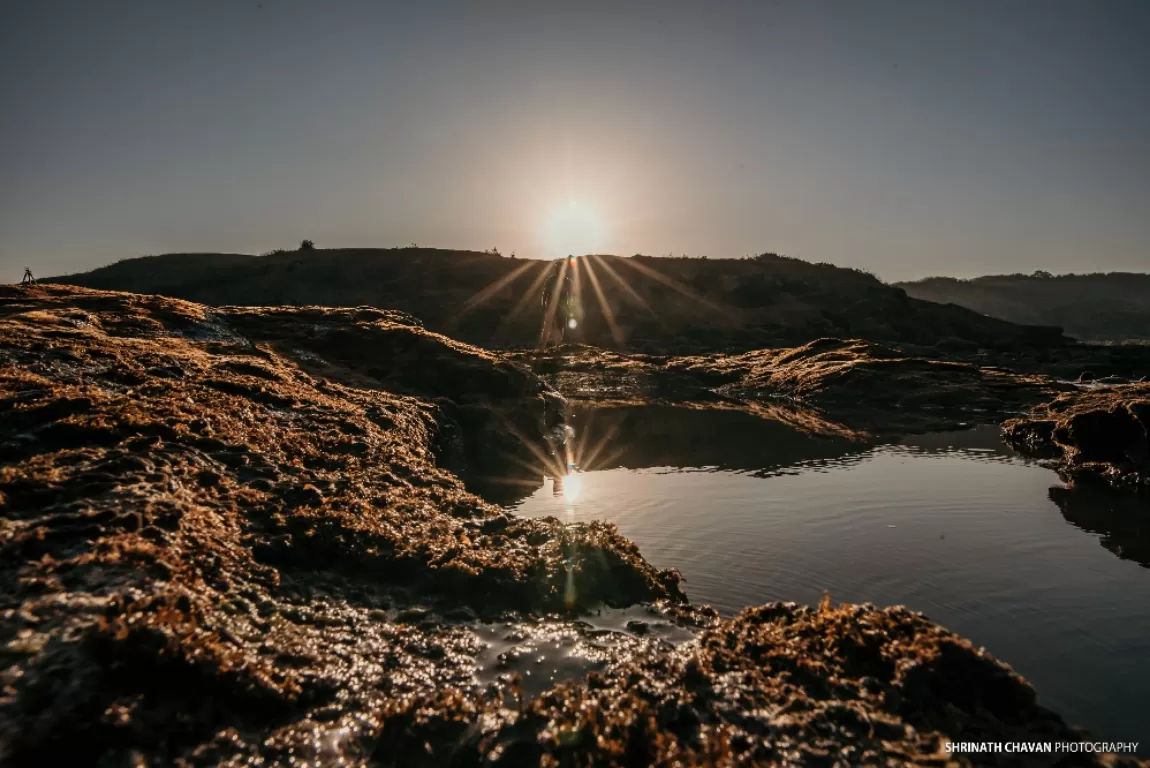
{"type": "Point", "coordinates": [231, 536]}
{"type": "Point", "coordinates": [780, 684]}
{"type": "Point", "coordinates": [859, 385]}
{"type": "Point", "coordinates": [1096, 435]}
{"type": "Point", "coordinates": [169, 481]}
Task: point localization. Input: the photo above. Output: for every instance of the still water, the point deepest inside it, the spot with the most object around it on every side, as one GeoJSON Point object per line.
{"type": "Point", "coordinates": [1053, 581]}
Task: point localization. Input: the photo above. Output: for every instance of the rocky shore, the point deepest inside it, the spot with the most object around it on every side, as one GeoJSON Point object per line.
{"type": "Point", "coordinates": [1096, 435]}
{"type": "Point", "coordinates": [849, 385]}
{"type": "Point", "coordinates": [238, 536]}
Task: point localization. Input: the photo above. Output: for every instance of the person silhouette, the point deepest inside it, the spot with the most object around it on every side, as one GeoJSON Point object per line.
{"type": "Point", "coordinates": [551, 300]}
{"type": "Point", "coordinates": [28, 278]}
{"type": "Point", "coordinates": [558, 299]}
{"type": "Point", "coordinates": [567, 300]}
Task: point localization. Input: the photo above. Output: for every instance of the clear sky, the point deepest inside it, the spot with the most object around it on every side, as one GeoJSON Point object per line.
{"type": "Point", "coordinates": [908, 138]}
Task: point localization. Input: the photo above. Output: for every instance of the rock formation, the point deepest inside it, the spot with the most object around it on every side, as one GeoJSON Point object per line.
{"type": "Point", "coordinates": [854, 385]}
{"type": "Point", "coordinates": [1096, 435]}
{"type": "Point", "coordinates": [229, 536]}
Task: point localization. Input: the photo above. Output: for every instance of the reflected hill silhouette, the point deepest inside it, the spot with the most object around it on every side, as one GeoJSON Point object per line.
{"type": "Point", "coordinates": [644, 436]}
{"type": "Point", "coordinates": [983, 439]}
{"type": "Point", "coordinates": [1122, 521]}
{"type": "Point", "coordinates": [621, 435]}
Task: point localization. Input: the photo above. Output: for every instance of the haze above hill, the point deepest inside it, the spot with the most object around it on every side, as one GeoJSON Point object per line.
{"type": "Point", "coordinates": [904, 137]}
{"type": "Point", "coordinates": [638, 303]}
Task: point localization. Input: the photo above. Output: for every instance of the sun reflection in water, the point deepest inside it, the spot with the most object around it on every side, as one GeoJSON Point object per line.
{"type": "Point", "coordinates": [572, 487]}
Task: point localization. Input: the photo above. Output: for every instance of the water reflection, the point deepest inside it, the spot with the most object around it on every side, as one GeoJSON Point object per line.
{"type": "Point", "coordinates": [600, 437]}
{"type": "Point", "coordinates": [1122, 521]}
{"type": "Point", "coordinates": [954, 524]}
{"type": "Point", "coordinates": [637, 437]}
{"type": "Point", "coordinates": [981, 442]}
{"type": "Point", "coordinates": [568, 487]}
{"type": "Point", "coordinates": [671, 438]}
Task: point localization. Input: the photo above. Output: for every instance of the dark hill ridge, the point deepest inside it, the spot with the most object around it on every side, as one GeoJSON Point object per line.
{"type": "Point", "coordinates": [1103, 307]}
{"type": "Point", "coordinates": [637, 303]}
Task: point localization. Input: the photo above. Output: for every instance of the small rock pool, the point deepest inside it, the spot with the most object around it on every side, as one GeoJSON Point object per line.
{"type": "Point", "coordinates": [1051, 580]}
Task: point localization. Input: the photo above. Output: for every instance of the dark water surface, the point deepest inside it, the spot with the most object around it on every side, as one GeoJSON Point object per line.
{"type": "Point", "coordinates": [1053, 581]}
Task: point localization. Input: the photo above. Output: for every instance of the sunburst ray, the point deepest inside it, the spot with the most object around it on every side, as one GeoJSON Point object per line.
{"type": "Point", "coordinates": [604, 305]}
{"type": "Point", "coordinates": [676, 286]}
{"type": "Point", "coordinates": [525, 299]}
{"type": "Point", "coordinates": [624, 284]}
{"type": "Point", "coordinates": [486, 293]}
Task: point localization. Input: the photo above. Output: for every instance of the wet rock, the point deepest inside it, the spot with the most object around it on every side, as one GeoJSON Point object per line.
{"type": "Point", "coordinates": [1097, 435]}
{"type": "Point", "coordinates": [234, 564]}
{"type": "Point", "coordinates": [300, 502]}
{"type": "Point", "coordinates": [638, 626]}
{"type": "Point", "coordinates": [778, 684]}
{"type": "Point", "coordinates": [851, 386]}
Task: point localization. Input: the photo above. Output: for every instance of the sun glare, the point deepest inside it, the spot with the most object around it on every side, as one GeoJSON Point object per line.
{"type": "Point", "coordinates": [574, 229]}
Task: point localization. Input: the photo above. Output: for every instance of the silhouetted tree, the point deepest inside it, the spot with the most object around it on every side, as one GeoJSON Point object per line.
{"type": "Point", "coordinates": [307, 245]}
{"type": "Point", "coordinates": [1042, 273]}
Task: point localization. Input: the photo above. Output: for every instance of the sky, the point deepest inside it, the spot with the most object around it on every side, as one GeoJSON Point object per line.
{"type": "Point", "coordinates": [907, 138]}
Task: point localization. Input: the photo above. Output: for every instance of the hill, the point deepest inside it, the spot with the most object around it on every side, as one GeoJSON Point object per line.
{"type": "Point", "coordinates": [636, 303]}
{"type": "Point", "coordinates": [1111, 306]}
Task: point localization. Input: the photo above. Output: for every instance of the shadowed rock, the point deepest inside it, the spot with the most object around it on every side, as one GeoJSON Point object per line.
{"type": "Point", "coordinates": [861, 386]}
{"type": "Point", "coordinates": [1096, 434]}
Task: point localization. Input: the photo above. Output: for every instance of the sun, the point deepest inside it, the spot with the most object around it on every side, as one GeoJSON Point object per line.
{"type": "Point", "coordinates": [574, 229]}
